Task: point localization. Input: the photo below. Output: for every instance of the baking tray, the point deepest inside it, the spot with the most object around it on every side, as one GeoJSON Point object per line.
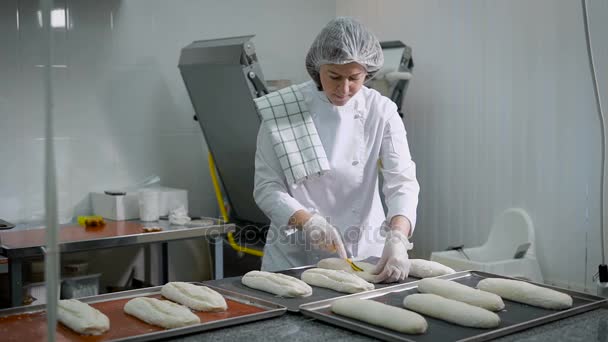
{"type": "Point", "coordinates": [292, 304]}
{"type": "Point", "coordinates": [29, 323]}
{"type": "Point", "coordinates": [515, 317]}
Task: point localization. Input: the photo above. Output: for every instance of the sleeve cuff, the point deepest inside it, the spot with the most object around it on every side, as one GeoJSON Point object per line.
{"type": "Point", "coordinates": [409, 214]}
{"type": "Point", "coordinates": [283, 211]}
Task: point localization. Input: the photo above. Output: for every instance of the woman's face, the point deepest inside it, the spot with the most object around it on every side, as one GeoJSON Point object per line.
{"type": "Point", "coordinates": [342, 81]}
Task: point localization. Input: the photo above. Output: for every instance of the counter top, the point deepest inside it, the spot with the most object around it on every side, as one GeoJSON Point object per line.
{"type": "Point", "coordinates": [589, 326]}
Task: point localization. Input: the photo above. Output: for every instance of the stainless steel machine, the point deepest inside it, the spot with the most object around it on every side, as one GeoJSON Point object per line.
{"type": "Point", "coordinates": [223, 77]}
{"type": "Point", "coordinates": [394, 78]}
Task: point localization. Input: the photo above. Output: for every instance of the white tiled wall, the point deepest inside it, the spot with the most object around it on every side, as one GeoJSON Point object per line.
{"type": "Point", "coordinates": [500, 109]}
{"type": "Point", "coordinates": [121, 110]}
{"type": "Point", "coordinates": [501, 114]}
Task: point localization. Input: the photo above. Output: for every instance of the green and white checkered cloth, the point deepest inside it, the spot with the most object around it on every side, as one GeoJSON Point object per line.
{"type": "Point", "coordinates": [294, 135]}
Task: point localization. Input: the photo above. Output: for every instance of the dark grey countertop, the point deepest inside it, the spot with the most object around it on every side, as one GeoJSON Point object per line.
{"type": "Point", "coordinates": [590, 326]}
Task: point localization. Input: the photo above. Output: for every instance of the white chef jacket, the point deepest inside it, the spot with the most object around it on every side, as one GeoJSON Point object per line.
{"type": "Point", "coordinates": [355, 137]}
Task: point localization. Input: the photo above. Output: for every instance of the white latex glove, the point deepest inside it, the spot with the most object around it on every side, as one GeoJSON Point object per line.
{"type": "Point", "coordinates": [324, 235]}
{"type": "Point", "coordinates": [394, 265]}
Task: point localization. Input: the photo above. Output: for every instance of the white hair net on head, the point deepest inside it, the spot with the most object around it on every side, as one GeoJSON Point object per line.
{"type": "Point", "coordinates": [344, 40]}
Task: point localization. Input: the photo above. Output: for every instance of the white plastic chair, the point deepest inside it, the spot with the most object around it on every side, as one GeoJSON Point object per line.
{"type": "Point", "coordinates": [511, 229]}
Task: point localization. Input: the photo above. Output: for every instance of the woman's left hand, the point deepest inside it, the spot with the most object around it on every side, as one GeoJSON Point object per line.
{"type": "Point", "coordinates": [394, 265]}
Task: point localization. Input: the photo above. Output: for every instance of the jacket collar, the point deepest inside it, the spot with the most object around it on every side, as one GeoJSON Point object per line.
{"type": "Point", "coordinates": [357, 103]}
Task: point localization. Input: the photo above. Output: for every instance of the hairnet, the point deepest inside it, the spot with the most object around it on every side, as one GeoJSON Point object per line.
{"type": "Point", "coordinates": [342, 41]}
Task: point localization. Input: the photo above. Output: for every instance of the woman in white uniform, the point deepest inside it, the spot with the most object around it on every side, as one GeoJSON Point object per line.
{"type": "Point", "coordinates": [340, 212]}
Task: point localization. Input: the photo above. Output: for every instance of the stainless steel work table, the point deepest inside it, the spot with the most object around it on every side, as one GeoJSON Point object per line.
{"type": "Point", "coordinates": [24, 242]}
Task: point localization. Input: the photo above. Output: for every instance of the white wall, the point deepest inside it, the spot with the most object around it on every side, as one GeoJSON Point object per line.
{"type": "Point", "coordinates": [501, 114]}
{"type": "Point", "coordinates": [121, 109]}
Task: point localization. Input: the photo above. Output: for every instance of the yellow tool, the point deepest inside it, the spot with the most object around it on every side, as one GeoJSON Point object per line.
{"type": "Point", "coordinates": [353, 266]}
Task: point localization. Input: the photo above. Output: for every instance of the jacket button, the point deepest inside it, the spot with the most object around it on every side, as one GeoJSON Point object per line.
{"type": "Point", "coordinates": [355, 163]}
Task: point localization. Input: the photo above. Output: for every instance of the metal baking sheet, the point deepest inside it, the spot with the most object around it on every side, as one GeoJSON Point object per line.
{"type": "Point", "coordinates": [515, 317]}
{"type": "Point", "coordinates": [292, 304]}
{"type": "Point", "coordinates": [29, 323]}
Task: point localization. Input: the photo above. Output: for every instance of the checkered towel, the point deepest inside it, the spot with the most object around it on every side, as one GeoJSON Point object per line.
{"type": "Point", "coordinates": [293, 133]}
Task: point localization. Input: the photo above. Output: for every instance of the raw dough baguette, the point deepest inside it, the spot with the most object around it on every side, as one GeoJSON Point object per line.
{"type": "Point", "coordinates": [343, 265]}
{"type": "Point", "coordinates": [380, 314]}
{"type": "Point", "coordinates": [523, 292]}
{"type": "Point", "coordinates": [336, 280]}
{"type": "Point", "coordinates": [420, 268]}
{"type": "Point", "coordinates": [451, 311]}
{"type": "Point", "coordinates": [162, 313]}
{"type": "Point", "coordinates": [462, 293]}
{"type": "Point", "coordinates": [426, 269]}
{"type": "Point", "coordinates": [276, 283]}
{"type": "Point", "coordinates": [200, 298]}
{"type": "Point", "coordinates": [82, 318]}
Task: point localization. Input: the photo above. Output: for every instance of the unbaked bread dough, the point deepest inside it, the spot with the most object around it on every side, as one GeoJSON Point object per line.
{"type": "Point", "coordinates": [425, 269]}
{"type": "Point", "coordinates": [420, 268]}
{"type": "Point", "coordinates": [337, 280]}
{"type": "Point", "coordinates": [462, 293]}
{"type": "Point", "coordinates": [524, 292]}
{"type": "Point", "coordinates": [343, 265]}
{"type": "Point", "coordinates": [196, 297]}
{"type": "Point", "coordinates": [451, 310]}
{"type": "Point", "coordinates": [82, 318]}
{"type": "Point", "coordinates": [380, 314]}
{"type": "Point", "coordinates": [162, 313]}
{"type": "Point", "coordinates": [276, 283]}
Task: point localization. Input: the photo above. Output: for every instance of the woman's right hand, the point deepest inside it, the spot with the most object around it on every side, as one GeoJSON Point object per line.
{"type": "Point", "coordinates": [324, 235]}
{"type": "Point", "coordinates": [394, 265]}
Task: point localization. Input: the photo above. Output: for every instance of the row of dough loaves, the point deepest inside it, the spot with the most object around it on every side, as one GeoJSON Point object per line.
{"type": "Point", "coordinates": [332, 273]}
{"type": "Point", "coordinates": [286, 286]}
{"type": "Point", "coordinates": [86, 320]}
{"type": "Point", "coordinates": [456, 310]}
{"type": "Point", "coordinates": [167, 314]}
{"type": "Point", "coordinates": [452, 302]}
{"type": "Point", "coordinates": [419, 268]}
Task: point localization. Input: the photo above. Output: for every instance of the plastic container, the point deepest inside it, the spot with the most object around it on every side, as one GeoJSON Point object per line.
{"type": "Point", "coordinates": [81, 286]}
{"type": "Point", "coordinates": [149, 209]}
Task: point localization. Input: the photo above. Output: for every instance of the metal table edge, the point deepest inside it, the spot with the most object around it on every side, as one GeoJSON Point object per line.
{"type": "Point", "coordinates": [121, 241]}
